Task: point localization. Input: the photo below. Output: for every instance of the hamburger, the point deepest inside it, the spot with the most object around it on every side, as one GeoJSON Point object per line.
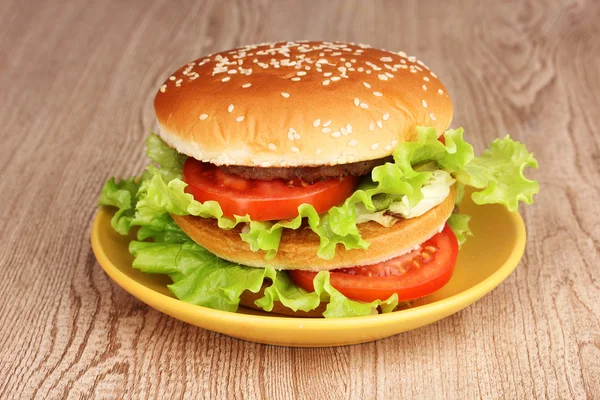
{"type": "Point", "coordinates": [309, 179]}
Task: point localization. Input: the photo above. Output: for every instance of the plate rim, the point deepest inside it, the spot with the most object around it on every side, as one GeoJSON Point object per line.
{"type": "Point", "coordinates": [175, 307]}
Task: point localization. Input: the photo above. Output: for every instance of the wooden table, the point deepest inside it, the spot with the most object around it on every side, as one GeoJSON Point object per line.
{"type": "Point", "coordinates": [77, 81]}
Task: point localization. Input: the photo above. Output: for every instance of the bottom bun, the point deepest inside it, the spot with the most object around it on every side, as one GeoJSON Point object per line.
{"type": "Point", "coordinates": [298, 248]}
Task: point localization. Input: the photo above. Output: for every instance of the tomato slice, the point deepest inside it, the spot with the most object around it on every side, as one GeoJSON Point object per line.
{"type": "Point", "coordinates": [263, 200]}
{"type": "Point", "coordinates": [412, 275]}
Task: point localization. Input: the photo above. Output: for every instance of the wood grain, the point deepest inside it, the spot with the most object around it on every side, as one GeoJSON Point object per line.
{"type": "Point", "coordinates": [77, 81]}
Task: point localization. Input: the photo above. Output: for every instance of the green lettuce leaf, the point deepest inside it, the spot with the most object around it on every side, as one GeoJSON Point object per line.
{"type": "Point", "coordinates": [199, 277]}
{"type": "Point", "coordinates": [434, 192]}
{"type": "Point", "coordinates": [282, 289]}
{"type": "Point", "coordinates": [499, 171]}
{"type": "Point", "coordinates": [168, 162]}
{"type": "Point", "coordinates": [459, 223]}
{"type": "Point", "coordinates": [121, 195]}
{"type": "Point", "coordinates": [161, 229]}
{"type": "Point", "coordinates": [339, 306]}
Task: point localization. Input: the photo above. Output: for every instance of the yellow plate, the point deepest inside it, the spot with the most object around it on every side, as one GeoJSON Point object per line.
{"type": "Point", "coordinates": [483, 263]}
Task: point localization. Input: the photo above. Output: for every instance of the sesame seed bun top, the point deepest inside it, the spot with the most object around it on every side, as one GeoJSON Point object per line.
{"type": "Point", "coordinates": [299, 104]}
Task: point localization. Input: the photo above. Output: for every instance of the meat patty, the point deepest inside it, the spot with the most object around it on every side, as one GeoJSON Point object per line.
{"type": "Point", "coordinates": [308, 174]}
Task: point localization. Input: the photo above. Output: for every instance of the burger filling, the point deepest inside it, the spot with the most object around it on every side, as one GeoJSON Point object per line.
{"type": "Point", "coordinates": [332, 201]}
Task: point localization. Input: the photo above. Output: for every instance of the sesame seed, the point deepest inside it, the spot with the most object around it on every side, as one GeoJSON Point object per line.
{"type": "Point", "coordinates": [301, 73]}
{"type": "Point", "coordinates": [368, 72]}
{"type": "Point", "coordinates": [203, 117]}
{"type": "Point", "coordinates": [352, 143]}
{"type": "Point", "coordinates": [386, 59]}
{"type": "Point", "coordinates": [225, 79]}
{"type": "Point", "coordinates": [367, 85]}
{"type": "Point", "coordinates": [326, 130]}
{"type": "Point", "coordinates": [432, 74]}
{"type": "Point", "coordinates": [172, 78]}
{"type": "Point", "coordinates": [163, 88]}
{"type": "Point", "coordinates": [335, 78]}
{"type": "Point", "coordinates": [317, 122]}
{"type": "Point", "coordinates": [440, 91]}
{"type": "Point", "coordinates": [379, 124]}
{"type": "Point", "coordinates": [326, 124]}
{"type": "Point", "coordinates": [364, 105]}
{"type": "Point", "coordinates": [432, 116]}
{"type": "Point", "coordinates": [326, 82]}
{"type": "Point", "coordinates": [291, 135]}
{"type": "Point", "coordinates": [344, 131]}
{"type": "Point", "coordinates": [371, 126]}
{"type": "Point", "coordinates": [297, 136]}
{"type": "Point", "coordinates": [336, 134]}
{"type": "Point", "coordinates": [294, 149]}
{"type": "Point", "coordinates": [349, 128]}
{"type": "Point", "coordinates": [383, 77]}
{"type": "Point", "coordinates": [426, 79]}
{"type": "Point", "coordinates": [424, 87]}
{"type": "Point", "coordinates": [246, 85]}
{"type": "Point", "coordinates": [240, 118]}
{"type": "Point", "coordinates": [232, 71]}
{"type": "Point", "coordinates": [424, 103]}
{"type": "Point", "coordinates": [272, 146]}
{"type": "Point", "coordinates": [356, 102]}
{"type": "Point", "coordinates": [295, 79]}
{"type": "Point", "coordinates": [374, 146]}
{"type": "Point", "coordinates": [326, 74]}
{"type": "Point", "coordinates": [386, 116]}
{"type": "Point", "coordinates": [378, 94]}
{"type": "Point", "coordinates": [389, 75]}
{"type": "Point", "coordinates": [292, 130]}
{"type": "Point", "coordinates": [284, 94]}
{"type": "Point", "coordinates": [230, 108]}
